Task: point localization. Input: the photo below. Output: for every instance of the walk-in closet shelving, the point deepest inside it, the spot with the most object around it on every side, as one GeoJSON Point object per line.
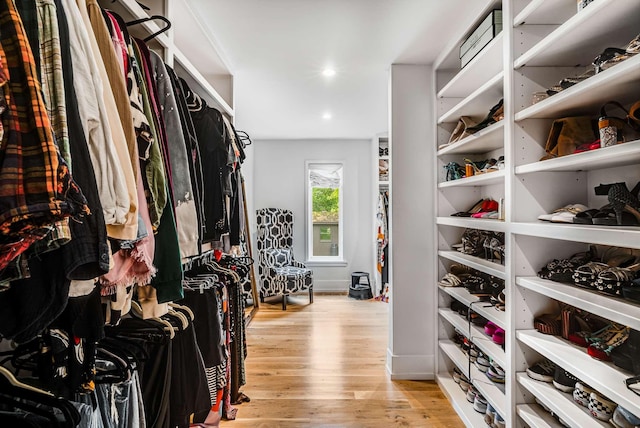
{"type": "Point", "coordinates": [561, 403]}
{"type": "Point", "coordinates": [482, 308]}
{"type": "Point", "coordinates": [200, 64]}
{"type": "Point", "coordinates": [535, 416]}
{"type": "Point", "coordinates": [381, 167]}
{"type": "Point", "coordinates": [543, 41]}
{"type": "Point", "coordinates": [458, 399]}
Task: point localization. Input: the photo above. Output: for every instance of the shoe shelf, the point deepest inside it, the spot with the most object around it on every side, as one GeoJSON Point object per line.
{"type": "Point", "coordinates": [541, 12]}
{"type": "Point", "coordinates": [492, 392]}
{"type": "Point", "coordinates": [479, 102]}
{"type": "Point", "coordinates": [614, 309]}
{"type": "Point", "coordinates": [458, 399]}
{"type": "Point", "coordinates": [474, 262]}
{"type": "Point", "coordinates": [476, 335]}
{"type": "Point", "coordinates": [560, 403]}
{"type": "Point", "coordinates": [485, 66]}
{"type": "Point", "coordinates": [582, 37]}
{"type": "Point", "coordinates": [486, 179]}
{"type": "Point", "coordinates": [587, 96]}
{"type": "Point", "coordinates": [606, 157]}
{"type": "Point", "coordinates": [536, 417]}
{"type": "Point", "coordinates": [483, 141]}
{"type": "Point", "coordinates": [617, 236]}
{"type": "Point", "coordinates": [473, 223]}
{"type": "Point", "coordinates": [489, 311]}
{"type": "Point", "coordinates": [606, 378]}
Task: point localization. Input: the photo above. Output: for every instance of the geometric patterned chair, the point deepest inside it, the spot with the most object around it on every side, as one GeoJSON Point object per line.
{"type": "Point", "coordinates": [280, 274]}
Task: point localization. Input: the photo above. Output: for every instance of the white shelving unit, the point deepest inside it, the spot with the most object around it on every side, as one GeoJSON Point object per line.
{"type": "Point", "coordinates": [200, 64]}
{"type": "Point", "coordinates": [381, 149]}
{"type": "Point", "coordinates": [458, 399]}
{"type": "Point", "coordinates": [542, 42]}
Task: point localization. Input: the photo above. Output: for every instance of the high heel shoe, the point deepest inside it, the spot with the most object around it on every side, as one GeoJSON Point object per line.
{"type": "Point", "coordinates": [620, 199]}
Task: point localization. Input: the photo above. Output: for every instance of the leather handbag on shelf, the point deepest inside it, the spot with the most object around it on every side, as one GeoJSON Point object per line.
{"type": "Point", "coordinates": [567, 134]}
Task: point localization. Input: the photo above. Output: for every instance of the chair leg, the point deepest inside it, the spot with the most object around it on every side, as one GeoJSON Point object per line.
{"type": "Point", "coordinates": [284, 302]}
{"type": "Point", "coordinates": [310, 294]}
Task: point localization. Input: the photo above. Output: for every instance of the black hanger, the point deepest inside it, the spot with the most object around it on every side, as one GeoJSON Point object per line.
{"type": "Point", "coordinates": [245, 140]}
{"type": "Point", "coordinates": [151, 18]}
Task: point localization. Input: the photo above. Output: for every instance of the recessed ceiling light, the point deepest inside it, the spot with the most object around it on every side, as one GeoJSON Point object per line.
{"type": "Point", "coordinates": [326, 116]}
{"type": "Point", "coordinates": [328, 72]}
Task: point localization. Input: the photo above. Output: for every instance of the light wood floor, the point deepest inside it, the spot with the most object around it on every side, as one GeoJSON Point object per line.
{"type": "Point", "coordinates": [323, 365]}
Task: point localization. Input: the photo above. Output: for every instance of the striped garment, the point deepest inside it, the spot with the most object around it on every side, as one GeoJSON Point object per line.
{"type": "Point", "coordinates": [36, 188]}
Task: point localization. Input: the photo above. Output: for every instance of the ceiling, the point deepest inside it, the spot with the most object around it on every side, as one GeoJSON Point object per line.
{"type": "Point", "coordinates": [278, 48]}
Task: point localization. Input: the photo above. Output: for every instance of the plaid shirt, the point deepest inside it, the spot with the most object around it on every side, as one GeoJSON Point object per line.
{"type": "Point", "coordinates": [36, 188]}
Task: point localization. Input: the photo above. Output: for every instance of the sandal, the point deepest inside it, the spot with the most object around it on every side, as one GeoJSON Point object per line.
{"type": "Point", "coordinates": [601, 347]}
{"type": "Point", "coordinates": [477, 207]}
{"type": "Point", "coordinates": [548, 324]}
{"type": "Point", "coordinates": [450, 280]}
{"type": "Point", "coordinates": [612, 280]}
{"type": "Point", "coordinates": [587, 274]}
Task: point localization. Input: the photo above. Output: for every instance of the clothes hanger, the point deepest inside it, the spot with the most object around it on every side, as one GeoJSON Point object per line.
{"type": "Point", "coordinates": [151, 18]}
{"type": "Point", "coordinates": [136, 310]}
{"type": "Point", "coordinates": [184, 309]}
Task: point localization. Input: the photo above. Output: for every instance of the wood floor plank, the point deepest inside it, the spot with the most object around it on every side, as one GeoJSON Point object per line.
{"type": "Point", "coordinates": [323, 365]}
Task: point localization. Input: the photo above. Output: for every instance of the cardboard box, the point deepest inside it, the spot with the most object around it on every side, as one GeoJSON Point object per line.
{"type": "Point", "coordinates": [486, 31]}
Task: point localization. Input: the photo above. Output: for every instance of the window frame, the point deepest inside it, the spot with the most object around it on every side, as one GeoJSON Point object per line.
{"type": "Point", "coordinates": [310, 258]}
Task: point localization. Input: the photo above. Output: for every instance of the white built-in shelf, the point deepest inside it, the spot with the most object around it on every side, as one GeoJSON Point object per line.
{"type": "Point", "coordinates": [383, 183]}
{"type": "Point", "coordinates": [587, 96]}
{"type": "Point", "coordinates": [478, 103]}
{"type": "Point", "coordinates": [474, 262]}
{"type": "Point", "coordinates": [493, 392]}
{"type": "Point", "coordinates": [476, 335]}
{"type": "Point", "coordinates": [458, 399]}
{"type": "Point", "coordinates": [203, 83]}
{"type": "Point", "coordinates": [495, 177]}
{"type": "Point", "coordinates": [582, 37]}
{"type": "Point", "coordinates": [618, 236]}
{"type": "Point", "coordinates": [474, 223]}
{"type": "Point", "coordinates": [483, 141]}
{"type": "Point", "coordinates": [545, 12]}
{"type": "Point", "coordinates": [617, 310]}
{"type": "Point", "coordinates": [484, 309]}
{"type": "Point", "coordinates": [605, 378]}
{"type": "Point", "coordinates": [484, 67]}
{"type": "Point", "coordinates": [536, 417]}
{"type": "Point", "coordinates": [135, 12]}
{"type": "Point", "coordinates": [383, 157]}
{"type": "Point", "coordinates": [560, 403]}
{"type": "Point", "coordinates": [606, 157]}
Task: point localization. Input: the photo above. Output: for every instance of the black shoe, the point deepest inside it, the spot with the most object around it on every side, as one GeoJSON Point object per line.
{"type": "Point", "coordinates": [542, 371]}
{"type": "Point", "coordinates": [563, 380]}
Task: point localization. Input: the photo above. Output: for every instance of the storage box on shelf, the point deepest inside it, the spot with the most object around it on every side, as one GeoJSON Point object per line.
{"type": "Point", "coordinates": [482, 34]}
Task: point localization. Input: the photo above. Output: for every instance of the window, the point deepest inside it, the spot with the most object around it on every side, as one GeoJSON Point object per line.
{"type": "Point", "coordinates": [324, 211]}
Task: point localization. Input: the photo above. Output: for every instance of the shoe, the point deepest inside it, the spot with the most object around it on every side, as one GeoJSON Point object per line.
{"type": "Point", "coordinates": [474, 209]}
{"type": "Point", "coordinates": [482, 363]}
{"type": "Point", "coordinates": [480, 404]}
{"type": "Point", "coordinates": [457, 375]}
{"type": "Point", "coordinates": [495, 373]}
{"type": "Point", "coordinates": [471, 394]}
{"type": "Point", "coordinates": [489, 415]}
{"type": "Point", "coordinates": [465, 385]}
{"type": "Point", "coordinates": [565, 214]}
{"type": "Point", "coordinates": [498, 336]}
{"type": "Point", "coordinates": [581, 394]}
{"type": "Point", "coordinates": [490, 328]}
{"type": "Point", "coordinates": [620, 199]}
{"type": "Point", "coordinates": [622, 418]}
{"type": "Point", "coordinates": [489, 119]}
{"type": "Point", "coordinates": [542, 371]}
{"type": "Point", "coordinates": [600, 407]}
{"type": "Point", "coordinates": [563, 380]}
{"type": "Point", "coordinates": [499, 422]}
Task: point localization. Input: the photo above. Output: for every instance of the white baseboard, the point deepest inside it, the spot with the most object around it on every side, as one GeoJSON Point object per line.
{"type": "Point", "coordinates": [331, 285]}
{"type": "Point", "coordinates": [410, 367]}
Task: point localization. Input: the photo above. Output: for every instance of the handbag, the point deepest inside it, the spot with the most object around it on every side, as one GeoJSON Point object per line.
{"type": "Point", "coordinates": [567, 134]}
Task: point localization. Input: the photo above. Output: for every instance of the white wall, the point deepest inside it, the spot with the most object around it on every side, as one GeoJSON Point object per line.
{"type": "Point", "coordinates": [279, 182]}
{"type": "Point", "coordinates": [411, 353]}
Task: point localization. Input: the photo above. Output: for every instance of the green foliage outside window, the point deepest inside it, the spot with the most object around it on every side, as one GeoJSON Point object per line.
{"type": "Point", "coordinates": [325, 204]}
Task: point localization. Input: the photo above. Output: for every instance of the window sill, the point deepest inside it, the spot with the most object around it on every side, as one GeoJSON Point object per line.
{"type": "Point", "coordinates": [326, 263]}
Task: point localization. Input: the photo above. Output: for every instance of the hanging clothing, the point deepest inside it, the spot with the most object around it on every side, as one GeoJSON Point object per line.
{"type": "Point", "coordinates": [184, 204]}
{"type": "Point", "coordinates": [37, 187]}
{"type": "Point", "coordinates": [112, 175]}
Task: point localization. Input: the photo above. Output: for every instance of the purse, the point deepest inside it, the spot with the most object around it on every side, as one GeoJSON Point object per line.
{"type": "Point", "coordinates": [567, 134]}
